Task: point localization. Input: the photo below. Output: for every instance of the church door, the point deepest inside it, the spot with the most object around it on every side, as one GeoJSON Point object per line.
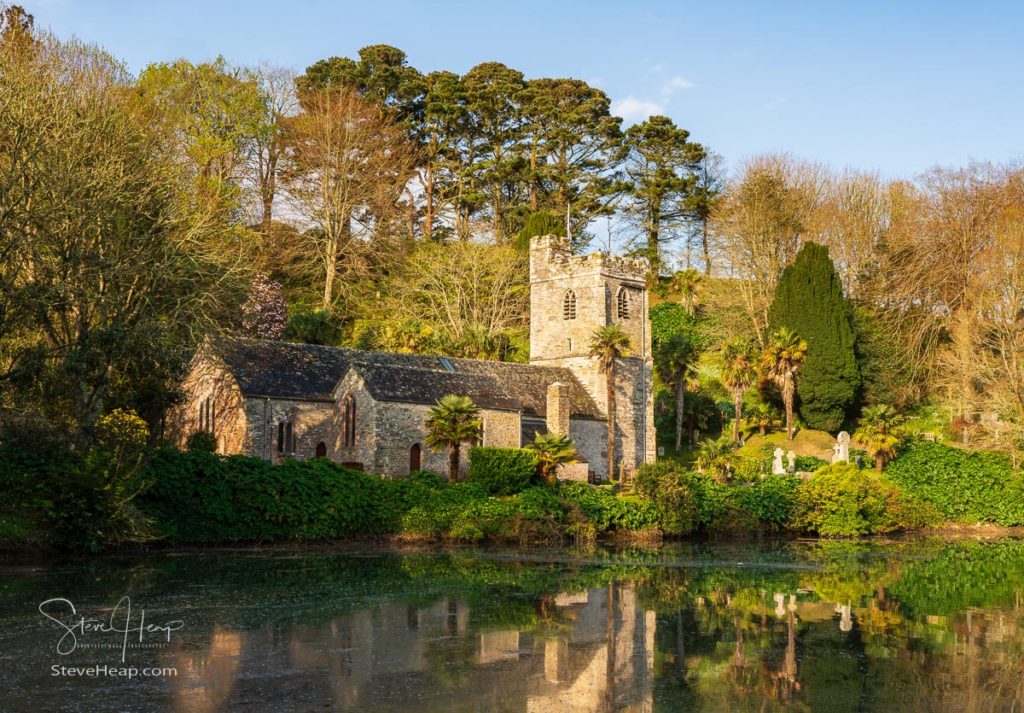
{"type": "Point", "coordinates": [321, 450]}
{"type": "Point", "coordinates": [415, 458]}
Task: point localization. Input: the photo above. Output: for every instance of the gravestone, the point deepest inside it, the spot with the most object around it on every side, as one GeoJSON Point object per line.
{"type": "Point", "coordinates": [791, 462]}
{"type": "Point", "coordinates": [841, 449]}
{"type": "Point", "coordinates": [777, 467]}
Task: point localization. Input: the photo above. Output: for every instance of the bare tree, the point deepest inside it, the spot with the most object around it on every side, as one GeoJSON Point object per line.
{"type": "Point", "coordinates": [350, 165]}
{"type": "Point", "coordinates": [279, 103]}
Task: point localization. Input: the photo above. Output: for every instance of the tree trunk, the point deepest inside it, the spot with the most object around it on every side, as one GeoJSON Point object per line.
{"type": "Point", "coordinates": [653, 238]}
{"type": "Point", "coordinates": [268, 212]}
{"type": "Point", "coordinates": [453, 462]}
{"type": "Point", "coordinates": [428, 217]}
{"type": "Point", "coordinates": [737, 401]}
{"type": "Point", "coordinates": [610, 378]}
{"type": "Point", "coordinates": [879, 462]}
{"type": "Point", "coordinates": [707, 250]}
{"type": "Point", "coordinates": [787, 396]}
{"type": "Point", "coordinates": [680, 409]}
{"type": "Point", "coordinates": [330, 271]}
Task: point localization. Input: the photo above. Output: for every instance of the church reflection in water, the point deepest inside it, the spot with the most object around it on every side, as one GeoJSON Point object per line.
{"type": "Point", "coordinates": [593, 652]}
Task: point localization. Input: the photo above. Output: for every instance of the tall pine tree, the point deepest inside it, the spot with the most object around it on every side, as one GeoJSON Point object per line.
{"type": "Point", "coordinates": [809, 300]}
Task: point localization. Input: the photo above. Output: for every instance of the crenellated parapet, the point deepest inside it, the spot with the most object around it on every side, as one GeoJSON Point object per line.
{"type": "Point", "coordinates": [551, 258]}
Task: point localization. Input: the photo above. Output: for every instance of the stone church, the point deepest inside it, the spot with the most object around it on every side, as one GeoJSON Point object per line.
{"type": "Point", "coordinates": [279, 400]}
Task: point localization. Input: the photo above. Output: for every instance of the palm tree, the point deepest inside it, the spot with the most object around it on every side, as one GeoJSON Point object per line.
{"type": "Point", "coordinates": [717, 457]}
{"type": "Point", "coordinates": [879, 433]}
{"type": "Point", "coordinates": [552, 450]}
{"type": "Point", "coordinates": [738, 375]}
{"type": "Point", "coordinates": [453, 420]}
{"type": "Point", "coordinates": [674, 360]}
{"type": "Point", "coordinates": [608, 344]}
{"type": "Point", "coordinates": [688, 284]}
{"type": "Point", "coordinates": [782, 360]}
{"type": "Point", "coordinates": [761, 417]}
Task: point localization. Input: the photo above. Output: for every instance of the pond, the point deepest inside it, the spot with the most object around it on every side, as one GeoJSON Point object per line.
{"type": "Point", "coordinates": [917, 625]}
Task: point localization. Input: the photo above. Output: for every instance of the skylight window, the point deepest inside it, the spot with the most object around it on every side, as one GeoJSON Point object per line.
{"type": "Point", "coordinates": [446, 364]}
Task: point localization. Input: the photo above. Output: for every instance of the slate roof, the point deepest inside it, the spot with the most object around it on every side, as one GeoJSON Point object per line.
{"type": "Point", "coordinates": [305, 371]}
{"type": "Point", "coordinates": [283, 370]}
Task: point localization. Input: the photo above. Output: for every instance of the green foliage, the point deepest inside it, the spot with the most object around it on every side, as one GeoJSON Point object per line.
{"type": "Point", "coordinates": [552, 450]}
{"type": "Point", "coordinates": [771, 499]}
{"type": "Point", "coordinates": [717, 457]}
{"type": "Point", "coordinates": [319, 326]}
{"type": "Point", "coordinates": [842, 500]}
{"type": "Point", "coordinates": [966, 486]}
{"type": "Point", "coordinates": [202, 441]}
{"type": "Point", "coordinates": [665, 484]}
{"type": "Point", "coordinates": [671, 318]}
{"type": "Point", "coordinates": [539, 223]}
{"type": "Point", "coordinates": [502, 471]}
{"type": "Point", "coordinates": [608, 512]}
{"type": "Point", "coordinates": [809, 300]}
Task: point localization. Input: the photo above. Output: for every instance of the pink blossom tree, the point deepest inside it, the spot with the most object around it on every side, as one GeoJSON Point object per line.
{"type": "Point", "coordinates": [264, 314]}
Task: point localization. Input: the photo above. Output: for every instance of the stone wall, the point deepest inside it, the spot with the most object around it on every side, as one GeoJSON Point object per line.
{"type": "Point", "coordinates": [591, 440]}
{"type": "Point", "coordinates": [364, 451]}
{"type": "Point", "coordinates": [207, 379]}
{"type": "Point", "coordinates": [400, 426]}
{"type": "Point", "coordinates": [311, 424]}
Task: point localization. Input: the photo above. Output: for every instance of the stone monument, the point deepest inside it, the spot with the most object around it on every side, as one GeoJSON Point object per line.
{"type": "Point", "coordinates": [841, 450]}
{"type": "Point", "coordinates": [777, 467]}
{"type": "Point", "coordinates": [791, 462]}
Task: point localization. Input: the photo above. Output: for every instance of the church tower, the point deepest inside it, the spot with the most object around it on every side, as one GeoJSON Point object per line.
{"type": "Point", "coordinates": [571, 297]}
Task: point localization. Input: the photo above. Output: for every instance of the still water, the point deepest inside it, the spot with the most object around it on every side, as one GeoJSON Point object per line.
{"type": "Point", "coordinates": [915, 625]}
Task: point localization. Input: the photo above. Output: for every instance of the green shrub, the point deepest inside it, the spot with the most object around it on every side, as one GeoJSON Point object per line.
{"type": "Point", "coordinates": [966, 486]}
{"type": "Point", "coordinates": [501, 471]}
{"type": "Point", "coordinates": [771, 500]}
{"type": "Point", "coordinates": [842, 500]}
{"type": "Point", "coordinates": [203, 441]}
{"type": "Point", "coordinates": [609, 512]}
{"type": "Point", "coordinates": [809, 464]}
{"type": "Point", "coordinates": [665, 484]}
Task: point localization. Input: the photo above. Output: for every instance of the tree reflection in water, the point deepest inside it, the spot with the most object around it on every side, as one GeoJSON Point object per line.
{"type": "Point", "coordinates": [922, 625]}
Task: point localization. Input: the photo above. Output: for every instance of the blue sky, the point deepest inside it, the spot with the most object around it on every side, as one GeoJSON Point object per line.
{"type": "Point", "coordinates": [894, 87]}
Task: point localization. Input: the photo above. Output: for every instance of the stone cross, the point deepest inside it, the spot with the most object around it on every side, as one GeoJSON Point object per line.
{"type": "Point", "coordinates": [777, 467]}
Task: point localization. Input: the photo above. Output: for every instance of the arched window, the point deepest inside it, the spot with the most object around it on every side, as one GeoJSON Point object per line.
{"type": "Point", "coordinates": [623, 303]}
{"type": "Point", "coordinates": [348, 422]}
{"type": "Point", "coordinates": [415, 458]}
{"type": "Point", "coordinates": [206, 415]}
{"type": "Point", "coordinates": [321, 450]}
{"type": "Point", "coordinates": [569, 305]}
{"type": "Point", "coordinates": [285, 437]}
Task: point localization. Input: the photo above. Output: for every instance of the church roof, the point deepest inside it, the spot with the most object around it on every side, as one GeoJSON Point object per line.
{"type": "Point", "coordinates": [286, 370]}
{"type": "Point", "coordinates": [283, 370]}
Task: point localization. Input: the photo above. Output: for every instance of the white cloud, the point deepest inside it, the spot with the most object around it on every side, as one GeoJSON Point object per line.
{"type": "Point", "coordinates": [633, 110]}
{"type": "Point", "coordinates": [675, 84]}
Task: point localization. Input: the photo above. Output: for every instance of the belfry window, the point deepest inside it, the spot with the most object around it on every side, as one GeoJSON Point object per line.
{"type": "Point", "coordinates": [569, 305]}
{"type": "Point", "coordinates": [622, 303]}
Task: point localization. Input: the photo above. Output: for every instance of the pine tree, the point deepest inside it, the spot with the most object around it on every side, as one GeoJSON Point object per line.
{"type": "Point", "coordinates": [809, 300]}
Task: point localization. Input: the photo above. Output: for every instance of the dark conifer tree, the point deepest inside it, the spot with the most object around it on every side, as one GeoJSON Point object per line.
{"type": "Point", "coordinates": [809, 300]}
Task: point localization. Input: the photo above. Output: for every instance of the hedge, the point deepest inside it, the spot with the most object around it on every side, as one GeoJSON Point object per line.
{"type": "Point", "coordinates": [501, 471]}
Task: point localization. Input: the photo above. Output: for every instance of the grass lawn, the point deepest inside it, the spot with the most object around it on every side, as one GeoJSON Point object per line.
{"type": "Point", "coordinates": [807, 442]}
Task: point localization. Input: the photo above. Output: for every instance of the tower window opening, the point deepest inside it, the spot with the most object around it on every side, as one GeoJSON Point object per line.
{"type": "Point", "coordinates": [569, 305]}
{"type": "Point", "coordinates": [623, 303]}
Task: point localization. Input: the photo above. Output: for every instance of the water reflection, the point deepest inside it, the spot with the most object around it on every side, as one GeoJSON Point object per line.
{"type": "Point", "coordinates": [923, 625]}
